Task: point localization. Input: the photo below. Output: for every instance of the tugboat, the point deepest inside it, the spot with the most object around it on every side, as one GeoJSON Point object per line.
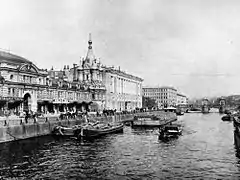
{"type": "Point", "coordinates": [172, 130]}
{"type": "Point", "coordinates": [179, 112]}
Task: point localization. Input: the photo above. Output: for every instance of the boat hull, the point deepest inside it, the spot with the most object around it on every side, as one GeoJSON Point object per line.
{"type": "Point", "coordinates": [180, 113]}
{"type": "Point", "coordinates": [194, 111]}
{"type": "Point", "coordinates": [92, 133]}
{"type": "Point", "coordinates": [63, 131]}
{"type": "Point", "coordinates": [227, 118]}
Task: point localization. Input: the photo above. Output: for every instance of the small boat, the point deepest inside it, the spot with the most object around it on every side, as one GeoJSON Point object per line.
{"type": "Point", "coordinates": [171, 131]}
{"type": "Point", "coordinates": [179, 112]}
{"type": "Point", "coordinates": [227, 117]}
{"type": "Point", "coordinates": [194, 110]}
{"type": "Point", "coordinates": [90, 131]}
{"type": "Point", "coordinates": [65, 131]}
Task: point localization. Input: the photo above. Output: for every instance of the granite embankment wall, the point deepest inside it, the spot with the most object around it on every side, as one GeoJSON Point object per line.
{"type": "Point", "coordinates": [16, 129]}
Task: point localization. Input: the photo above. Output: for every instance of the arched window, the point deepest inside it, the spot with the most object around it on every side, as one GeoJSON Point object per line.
{"type": "Point", "coordinates": [11, 76]}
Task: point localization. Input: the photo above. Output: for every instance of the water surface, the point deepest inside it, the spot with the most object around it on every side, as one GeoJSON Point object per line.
{"type": "Point", "coordinates": [204, 151]}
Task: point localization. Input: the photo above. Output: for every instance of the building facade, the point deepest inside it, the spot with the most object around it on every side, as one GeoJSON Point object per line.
{"type": "Point", "coordinates": [181, 99]}
{"type": "Point", "coordinates": [123, 91]}
{"type": "Point", "coordinates": [25, 87]}
{"type": "Point", "coordinates": [164, 96]}
{"type": "Point", "coordinates": [21, 84]}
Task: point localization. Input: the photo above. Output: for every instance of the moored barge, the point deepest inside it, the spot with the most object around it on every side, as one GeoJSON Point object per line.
{"type": "Point", "coordinates": [90, 131]}
{"type": "Point", "coordinates": [153, 120]}
{"type": "Point", "coordinates": [65, 131]}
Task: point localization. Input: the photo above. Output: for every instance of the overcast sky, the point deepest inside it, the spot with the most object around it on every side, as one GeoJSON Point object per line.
{"type": "Point", "coordinates": [190, 44]}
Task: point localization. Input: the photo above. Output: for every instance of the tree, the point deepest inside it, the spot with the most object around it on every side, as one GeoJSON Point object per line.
{"type": "Point", "coordinates": [148, 102]}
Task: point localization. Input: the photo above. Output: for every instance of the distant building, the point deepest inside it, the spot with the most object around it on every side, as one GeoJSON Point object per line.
{"type": "Point", "coordinates": [181, 99]}
{"type": "Point", "coordinates": [164, 96]}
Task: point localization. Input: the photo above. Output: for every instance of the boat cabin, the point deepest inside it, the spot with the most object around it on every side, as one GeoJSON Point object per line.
{"type": "Point", "coordinates": [170, 109]}
{"type": "Point", "coordinates": [171, 131]}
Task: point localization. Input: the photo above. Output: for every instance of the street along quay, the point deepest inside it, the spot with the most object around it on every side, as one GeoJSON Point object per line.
{"type": "Point", "coordinates": [16, 128]}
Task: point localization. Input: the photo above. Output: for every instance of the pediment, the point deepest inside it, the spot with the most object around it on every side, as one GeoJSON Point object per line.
{"type": "Point", "coordinates": [28, 68]}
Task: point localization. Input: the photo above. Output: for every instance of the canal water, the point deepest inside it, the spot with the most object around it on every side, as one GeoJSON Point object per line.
{"type": "Point", "coordinates": [204, 151]}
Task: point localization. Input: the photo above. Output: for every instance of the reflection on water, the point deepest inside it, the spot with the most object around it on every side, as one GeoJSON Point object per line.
{"type": "Point", "coordinates": [205, 150]}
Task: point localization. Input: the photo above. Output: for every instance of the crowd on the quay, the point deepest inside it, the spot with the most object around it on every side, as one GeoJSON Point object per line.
{"type": "Point", "coordinates": [70, 114]}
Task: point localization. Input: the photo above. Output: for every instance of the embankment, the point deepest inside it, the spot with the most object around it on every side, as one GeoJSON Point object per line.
{"type": "Point", "coordinates": [17, 129]}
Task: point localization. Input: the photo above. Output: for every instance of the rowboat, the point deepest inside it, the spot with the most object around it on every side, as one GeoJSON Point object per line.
{"type": "Point", "coordinates": [98, 130]}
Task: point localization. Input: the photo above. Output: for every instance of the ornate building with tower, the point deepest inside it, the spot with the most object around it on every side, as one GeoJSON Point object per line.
{"type": "Point", "coordinates": [86, 86]}
{"type": "Point", "coordinates": [109, 88]}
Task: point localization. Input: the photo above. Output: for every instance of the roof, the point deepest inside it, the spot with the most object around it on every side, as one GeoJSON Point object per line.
{"type": "Point", "coordinates": [159, 87]}
{"type": "Point", "coordinates": [178, 94]}
{"type": "Point", "coordinates": [12, 58]}
{"type": "Point", "coordinates": [122, 73]}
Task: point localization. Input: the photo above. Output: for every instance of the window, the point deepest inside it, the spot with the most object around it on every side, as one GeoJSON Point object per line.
{"type": "Point", "coordinates": [11, 76]}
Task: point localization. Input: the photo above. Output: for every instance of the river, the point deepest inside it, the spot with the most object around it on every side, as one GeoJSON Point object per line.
{"type": "Point", "coordinates": [204, 151]}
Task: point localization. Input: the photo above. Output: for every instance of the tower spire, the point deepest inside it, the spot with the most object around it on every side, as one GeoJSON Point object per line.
{"type": "Point", "coordinates": [90, 41]}
{"type": "Point", "coordinates": [90, 56]}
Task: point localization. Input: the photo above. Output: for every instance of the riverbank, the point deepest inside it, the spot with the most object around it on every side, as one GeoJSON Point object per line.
{"type": "Point", "coordinates": [17, 129]}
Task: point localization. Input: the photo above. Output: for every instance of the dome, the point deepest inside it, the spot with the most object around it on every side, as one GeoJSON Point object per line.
{"type": "Point", "coordinates": [11, 58]}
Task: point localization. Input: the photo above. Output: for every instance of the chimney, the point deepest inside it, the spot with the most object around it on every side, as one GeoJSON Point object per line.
{"type": "Point", "coordinates": [74, 72]}
{"type": "Point", "coordinates": [52, 73]}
